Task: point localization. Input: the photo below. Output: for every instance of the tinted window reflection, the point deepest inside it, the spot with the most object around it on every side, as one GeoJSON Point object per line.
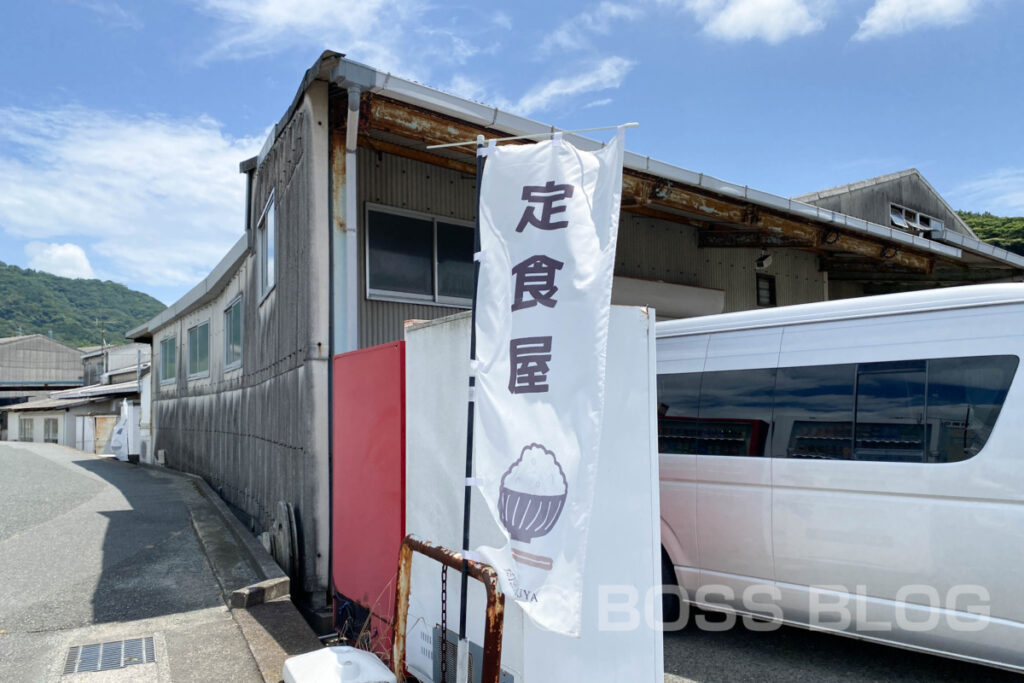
{"type": "Point", "coordinates": [678, 402]}
{"type": "Point", "coordinates": [965, 396]}
{"type": "Point", "coordinates": [890, 422]}
{"type": "Point", "coordinates": [735, 411]}
{"type": "Point", "coordinates": [814, 412]}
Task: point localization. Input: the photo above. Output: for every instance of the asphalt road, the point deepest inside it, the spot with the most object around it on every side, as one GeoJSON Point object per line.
{"type": "Point", "coordinates": [794, 654]}
{"type": "Point", "coordinates": [93, 550]}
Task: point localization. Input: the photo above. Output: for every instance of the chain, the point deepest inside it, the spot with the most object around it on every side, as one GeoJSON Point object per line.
{"type": "Point", "coordinates": [444, 623]}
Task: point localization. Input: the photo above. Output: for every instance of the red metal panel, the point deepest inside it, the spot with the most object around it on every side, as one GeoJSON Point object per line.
{"type": "Point", "coordinates": [368, 480]}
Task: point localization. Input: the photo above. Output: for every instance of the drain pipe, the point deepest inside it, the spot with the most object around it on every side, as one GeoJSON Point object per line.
{"type": "Point", "coordinates": [351, 222]}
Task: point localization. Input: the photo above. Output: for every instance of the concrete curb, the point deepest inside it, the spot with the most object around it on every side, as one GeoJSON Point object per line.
{"type": "Point", "coordinates": [275, 583]}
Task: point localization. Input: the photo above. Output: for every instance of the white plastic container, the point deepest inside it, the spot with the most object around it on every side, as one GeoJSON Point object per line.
{"type": "Point", "coordinates": [342, 664]}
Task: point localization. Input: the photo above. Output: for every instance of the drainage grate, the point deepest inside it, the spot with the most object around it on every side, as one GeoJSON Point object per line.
{"type": "Point", "coordinates": [107, 656]}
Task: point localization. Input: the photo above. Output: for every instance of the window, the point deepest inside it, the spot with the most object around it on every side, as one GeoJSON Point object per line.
{"type": "Point", "coordinates": [907, 219]}
{"type": "Point", "coordinates": [266, 231]}
{"type": "Point", "coordinates": [765, 290]}
{"type": "Point", "coordinates": [937, 410]}
{"type": "Point", "coordinates": [26, 429]}
{"type": "Point", "coordinates": [199, 350]}
{"type": "Point", "coordinates": [50, 430]}
{"type": "Point", "coordinates": [965, 396]}
{"type": "Point", "coordinates": [417, 257]}
{"type": "Point", "coordinates": [168, 360]}
{"type": "Point", "coordinates": [814, 412]}
{"type": "Point", "coordinates": [233, 335]}
{"type": "Point", "coordinates": [889, 420]}
{"type": "Point", "coordinates": [715, 413]}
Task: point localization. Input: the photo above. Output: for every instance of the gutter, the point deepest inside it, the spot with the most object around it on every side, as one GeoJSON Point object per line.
{"type": "Point", "coordinates": [409, 92]}
{"type": "Point", "coordinates": [354, 78]}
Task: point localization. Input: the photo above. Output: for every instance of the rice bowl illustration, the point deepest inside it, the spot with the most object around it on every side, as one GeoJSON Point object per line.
{"type": "Point", "coordinates": [532, 494]}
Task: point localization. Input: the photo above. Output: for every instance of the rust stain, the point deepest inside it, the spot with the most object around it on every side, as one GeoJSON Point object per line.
{"type": "Point", "coordinates": [490, 668]}
{"type": "Point", "coordinates": [337, 155]}
{"type": "Point", "coordinates": [641, 191]}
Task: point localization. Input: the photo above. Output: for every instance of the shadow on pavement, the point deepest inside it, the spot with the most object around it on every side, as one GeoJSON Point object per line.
{"type": "Point", "coordinates": [152, 562]}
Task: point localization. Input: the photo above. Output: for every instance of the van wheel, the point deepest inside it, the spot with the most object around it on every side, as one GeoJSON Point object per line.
{"type": "Point", "coordinates": [670, 602]}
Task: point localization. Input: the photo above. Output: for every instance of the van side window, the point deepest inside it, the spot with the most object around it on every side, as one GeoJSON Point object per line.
{"type": "Point", "coordinates": [937, 410]}
{"type": "Point", "coordinates": [678, 402]}
{"type": "Point", "coordinates": [735, 411]}
{"type": "Point", "coordinates": [814, 412]}
{"type": "Point", "coordinates": [890, 424]}
{"type": "Point", "coordinates": [965, 396]}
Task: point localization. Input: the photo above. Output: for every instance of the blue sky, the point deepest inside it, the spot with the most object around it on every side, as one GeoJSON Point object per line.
{"type": "Point", "coordinates": [122, 123]}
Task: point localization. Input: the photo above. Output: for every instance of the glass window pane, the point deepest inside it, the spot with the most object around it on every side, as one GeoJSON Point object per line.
{"type": "Point", "coordinates": [271, 222]}
{"type": "Point", "coordinates": [814, 412]}
{"type": "Point", "coordinates": [204, 348]}
{"type": "Point", "coordinates": [965, 396]}
{"type": "Point", "coordinates": [678, 401]}
{"type": "Point", "coordinates": [168, 349]}
{"type": "Point", "coordinates": [233, 334]}
{"type": "Point", "coordinates": [735, 411]}
{"type": "Point", "coordinates": [890, 422]}
{"type": "Point", "coordinates": [401, 254]}
{"type": "Point", "coordinates": [896, 215]}
{"type": "Point", "coordinates": [454, 260]}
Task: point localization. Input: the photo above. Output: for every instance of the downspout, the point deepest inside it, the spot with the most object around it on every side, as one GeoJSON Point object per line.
{"type": "Point", "coordinates": [351, 222]}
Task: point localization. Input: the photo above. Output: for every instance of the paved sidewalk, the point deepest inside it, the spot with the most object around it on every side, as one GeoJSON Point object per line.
{"type": "Point", "coordinates": [93, 550]}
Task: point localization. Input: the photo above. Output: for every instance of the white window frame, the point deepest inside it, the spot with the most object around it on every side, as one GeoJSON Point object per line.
{"type": "Point", "coordinates": [188, 351]}
{"type": "Point", "coordinates": [263, 238]}
{"type": "Point", "coordinates": [234, 365]}
{"type": "Point", "coordinates": [31, 422]}
{"type": "Point", "coordinates": [912, 219]}
{"type": "Point", "coordinates": [406, 297]}
{"type": "Point", "coordinates": [174, 376]}
{"type": "Point", "coordinates": [56, 429]}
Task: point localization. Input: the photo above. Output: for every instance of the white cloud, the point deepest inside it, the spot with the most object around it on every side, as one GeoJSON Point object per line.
{"type": "Point", "coordinates": [1000, 192]}
{"type": "Point", "coordinates": [391, 35]}
{"type": "Point", "coordinates": [575, 33]}
{"type": "Point", "coordinates": [66, 260]}
{"type": "Point", "coordinates": [894, 17]}
{"type": "Point", "coordinates": [603, 75]}
{"type": "Point", "coordinates": [773, 21]}
{"type": "Point", "coordinates": [160, 200]}
{"type": "Point", "coordinates": [598, 103]}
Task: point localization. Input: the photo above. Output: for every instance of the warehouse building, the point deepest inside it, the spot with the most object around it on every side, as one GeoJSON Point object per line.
{"type": "Point", "coordinates": [354, 227]}
{"type": "Point", "coordinates": [32, 366]}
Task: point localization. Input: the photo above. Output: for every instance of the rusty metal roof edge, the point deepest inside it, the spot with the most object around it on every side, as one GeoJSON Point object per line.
{"type": "Point", "coordinates": [349, 72]}
{"type": "Point", "coordinates": [208, 288]}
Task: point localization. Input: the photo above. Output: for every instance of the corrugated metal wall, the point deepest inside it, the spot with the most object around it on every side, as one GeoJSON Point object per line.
{"type": "Point", "coordinates": [406, 184]}
{"type": "Point", "coordinates": [36, 358]}
{"type": "Point", "coordinates": [259, 433]}
{"type": "Point", "coordinates": [656, 249]}
{"type": "Point", "coordinates": [648, 247]}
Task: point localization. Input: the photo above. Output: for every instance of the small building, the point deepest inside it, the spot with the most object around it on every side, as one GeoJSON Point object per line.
{"type": "Point", "coordinates": [353, 227]}
{"type": "Point", "coordinates": [32, 366]}
{"type": "Point", "coordinates": [103, 359]}
{"type": "Point", "coordinates": [86, 418]}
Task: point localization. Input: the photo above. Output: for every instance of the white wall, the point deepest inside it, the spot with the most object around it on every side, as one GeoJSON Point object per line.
{"type": "Point", "coordinates": [624, 545]}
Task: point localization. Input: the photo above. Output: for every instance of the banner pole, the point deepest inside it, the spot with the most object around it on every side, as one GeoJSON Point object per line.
{"type": "Point", "coordinates": [470, 410]}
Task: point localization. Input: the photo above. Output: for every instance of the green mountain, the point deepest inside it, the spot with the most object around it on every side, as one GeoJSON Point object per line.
{"type": "Point", "coordinates": [1005, 232]}
{"type": "Point", "coordinates": [34, 302]}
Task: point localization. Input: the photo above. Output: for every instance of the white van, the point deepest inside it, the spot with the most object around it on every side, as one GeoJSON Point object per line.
{"type": "Point", "coordinates": [855, 466]}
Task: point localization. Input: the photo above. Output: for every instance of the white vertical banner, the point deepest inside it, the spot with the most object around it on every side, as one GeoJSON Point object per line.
{"type": "Point", "coordinates": [549, 219]}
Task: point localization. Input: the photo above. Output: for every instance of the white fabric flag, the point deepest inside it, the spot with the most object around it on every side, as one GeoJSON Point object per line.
{"type": "Point", "coordinates": [549, 219]}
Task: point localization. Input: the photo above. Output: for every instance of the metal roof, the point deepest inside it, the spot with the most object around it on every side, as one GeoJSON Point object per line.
{"type": "Point", "coordinates": [348, 71]}
{"type": "Point", "coordinates": [50, 404]}
{"type": "Point", "coordinates": [969, 296]}
{"type": "Point", "coordinates": [206, 290]}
